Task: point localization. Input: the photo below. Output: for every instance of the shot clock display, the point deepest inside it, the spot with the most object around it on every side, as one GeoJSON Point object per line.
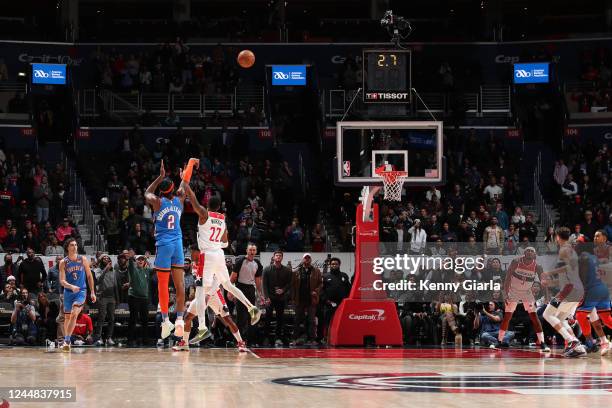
{"type": "Point", "coordinates": [386, 76]}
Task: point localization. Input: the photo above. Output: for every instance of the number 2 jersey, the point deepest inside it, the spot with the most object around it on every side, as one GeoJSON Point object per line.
{"type": "Point", "coordinates": [210, 233]}
{"type": "Point", "coordinates": [168, 221]}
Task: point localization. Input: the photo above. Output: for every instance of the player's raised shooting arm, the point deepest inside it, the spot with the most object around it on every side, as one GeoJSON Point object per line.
{"type": "Point", "coordinates": [197, 207]}
{"type": "Point", "coordinates": [152, 199]}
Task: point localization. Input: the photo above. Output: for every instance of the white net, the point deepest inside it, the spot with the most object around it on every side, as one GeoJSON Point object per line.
{"type": "Point", "coordinates": [393, 182]}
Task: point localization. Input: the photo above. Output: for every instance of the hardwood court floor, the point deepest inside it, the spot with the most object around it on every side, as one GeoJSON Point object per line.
{"type": "Point", "coordinates": [354, 378]}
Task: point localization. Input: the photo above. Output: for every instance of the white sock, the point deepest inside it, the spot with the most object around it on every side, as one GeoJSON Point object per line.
{"type": "Point", "coordinates": [201, 307]}
{"type": "Point", "coordinates": [566, 335]}
{"type": "Point", "coordinates": [237, 335]}
{"type": "Point", "coordinates": [501, 335]}
{"type": "Point", "coordinates": [229, 286]}
{"type": "Point", "coordinates": [603, 340]}
{"type": "Point", "coordinates": [540, 336]}
{"type": "Point", "coordinates": [186, 336]}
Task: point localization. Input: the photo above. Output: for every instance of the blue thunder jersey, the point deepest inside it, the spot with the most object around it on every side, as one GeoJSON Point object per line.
{"type": "Point", "coordinates": [593, 279]}
{"type": "Point", "coordinates": [75, 272]}
{"type": "Point", "coordinates": [168, 221]}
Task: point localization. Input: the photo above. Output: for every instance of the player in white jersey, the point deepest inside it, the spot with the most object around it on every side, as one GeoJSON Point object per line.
{"type": "Point", "coordinates": [212, 238]}
{"type": "Point", "coordinates": [216, 302]}
{"type": "Point", "coordinates": [571, 291]}
{"type": "Point", "coordinates": [521, 274]}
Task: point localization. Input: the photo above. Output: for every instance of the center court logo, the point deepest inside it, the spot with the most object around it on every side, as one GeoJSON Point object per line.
{"type": "Point", "coordinates": [473, 383]}
{"type": "Point", "coordinates": [371, 315]}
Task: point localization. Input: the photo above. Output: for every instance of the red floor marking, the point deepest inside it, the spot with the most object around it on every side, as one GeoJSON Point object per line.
{"type": "Point", "coordinates": [396, 353]}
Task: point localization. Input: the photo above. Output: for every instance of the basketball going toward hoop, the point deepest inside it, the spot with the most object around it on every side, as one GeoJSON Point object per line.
{"type": "Point", "coordinates": [246, 58]}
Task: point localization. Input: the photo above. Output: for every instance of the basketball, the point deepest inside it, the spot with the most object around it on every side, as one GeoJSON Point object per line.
{"type": "Point", "coordinates": [246, 58]}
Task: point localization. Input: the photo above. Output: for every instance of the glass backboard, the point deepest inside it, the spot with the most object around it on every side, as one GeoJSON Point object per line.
{"type": "Point", "coordinates": [415, 147]}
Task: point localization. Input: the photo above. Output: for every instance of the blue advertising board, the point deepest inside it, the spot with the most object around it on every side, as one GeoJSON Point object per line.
{"type": "Point", "coordinates": [531, 73]}
{"type": "Point", "coordinates": [288, 74]}
{"type": "Point", "coordinates": [49, 74]}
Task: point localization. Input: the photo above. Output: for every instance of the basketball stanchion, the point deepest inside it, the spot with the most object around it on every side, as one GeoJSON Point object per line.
{"type": "Point", "coordinates": [368, 313]}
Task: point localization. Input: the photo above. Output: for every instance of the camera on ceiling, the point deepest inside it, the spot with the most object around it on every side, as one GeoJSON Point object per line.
{"type": "Point", "coordinates": [399, 28]}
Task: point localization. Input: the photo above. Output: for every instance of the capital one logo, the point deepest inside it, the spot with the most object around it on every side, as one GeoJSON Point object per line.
{"type": "Point", "coordinates": [280, 75]}
{"type": "Point", "coordinates": [39, 73]}
{"type": "Point", "coordinates": [521, 73]}
{"type": "Point", "coordinates": [371, 315]}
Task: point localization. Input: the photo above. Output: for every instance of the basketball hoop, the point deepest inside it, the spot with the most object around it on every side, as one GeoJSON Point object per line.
{"type": "Point", "coordinates": [393, 180]}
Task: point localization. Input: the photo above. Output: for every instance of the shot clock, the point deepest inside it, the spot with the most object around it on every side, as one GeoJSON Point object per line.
{"type": "Point", "coordinates": [386, 76]}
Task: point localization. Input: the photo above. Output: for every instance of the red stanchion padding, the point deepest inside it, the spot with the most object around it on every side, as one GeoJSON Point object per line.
{"type": "Point", "coordinates": [366, 312]}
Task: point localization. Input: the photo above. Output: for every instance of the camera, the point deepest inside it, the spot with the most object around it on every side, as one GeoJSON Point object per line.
{"type": "Point", "coordinates": [399, 28]}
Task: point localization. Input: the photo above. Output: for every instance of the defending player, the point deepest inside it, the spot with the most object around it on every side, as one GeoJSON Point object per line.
{"type": "Point", "coordinates": [212, 238]}
{"type": "Point", "coordinates": [517, 287]}
{"type": "Point", "coordinates": [169, 256]}
{"type": "Point", "coordinates": [564, 304]}
{"type": "Point", "coordinates": [73, 270]}
{"type": "Point", "coordinates": [596, 302]}
{"type": "Point", "coordinates": [216, 302]}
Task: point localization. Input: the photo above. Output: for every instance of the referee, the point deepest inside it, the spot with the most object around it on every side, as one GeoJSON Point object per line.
{"type": "Point", "coordinates": [247, 276]}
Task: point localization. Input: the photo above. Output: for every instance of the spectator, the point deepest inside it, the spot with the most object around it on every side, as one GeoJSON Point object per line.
{"type": "Point", "coordinates": [276, 287]}
{"type": "Point", "coordinates": [493, 238]}
{"type": "Point", "coordinates": [8, 269]}
{"type": "Point", "coordinates": [589, 226]}
{"type": "Point", "coordinates": [577, 235]}
{"type": "Point", "coordinates": [5, 229]}
{"type": "Point", "coordinates": [83, 329]}
{"type": "Point", "coordinates": [8, 295]}
{"type": "Point", "coordinates": [448, 310]}
{"type": "Point", "coordinates": [47, 315]}
{"type": "Point", "coordinates": [528, 229]}
{"type": "Point", "coordinates": [32, 272]}
{"type": "Point", "coordinates": [64, 231]}
{"type": "Point", "coordinates": [518, 218]}
{"type": "Point", "coordinates": [139, 240]}
{"type": "Point", "coordinates": [121, 270]}
{"type": "Point", "coordinates": [488, 321]}
{"type": "Point", "coordinates": [551, 241]}
{"type": "Point", "coordinates": [54, 248]}
{"type": "Point", "coordinates": [12, 243]}
{"type": "Point", "coordinates": [447, 235]}
{"type": "Point", "coordinates": [294, 236]}
{"type": "Point", "coordinates": [140, 276]}
{"type": "Point", "coordinates": [306, 288]}
{"type": "Point", "coordinates": [433, 191]}
{"type": "Point", "coordinates": [560, 173]}
{"type": "Point", "coordinates": [246, 233]}
{"type": "Point", "coordinates": [23, 321]}
{"type": "Point", "coordinates": [247, 276]}
{"type": "Point", "coordinates": [336, 287]}
{"type": "Point", "coordinates": [418, 237]}
{"type": "Point", "coordinates": [493, 191]}
{"type": "Point", "coordinates": [512, 239]}
{"type": "Point", "coordinates": [569, 187]}
{"type": "Point", "coordinates": [43, 196]}
{"type": "Point", "coordinates": [53, 283]}
{"type": "Point", "coordinates": [107, 292]}
{"type": "Point", "coordinates": [502, 217]}
{"type": "Point", "coordinates": [318, 238]}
